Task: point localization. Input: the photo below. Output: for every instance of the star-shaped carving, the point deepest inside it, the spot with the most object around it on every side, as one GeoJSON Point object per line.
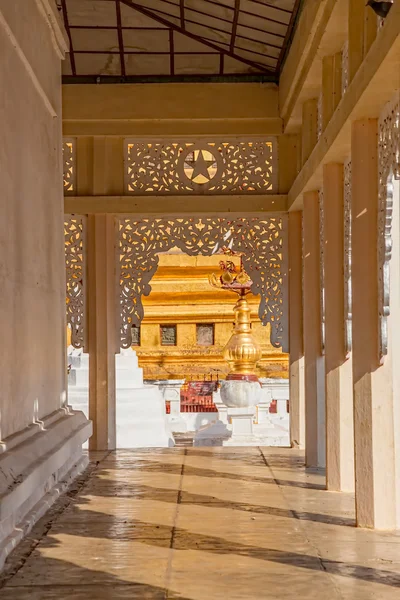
{"type": "Point", "coordinates": [203, 169]}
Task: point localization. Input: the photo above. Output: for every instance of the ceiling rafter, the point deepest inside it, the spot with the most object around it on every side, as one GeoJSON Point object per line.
{"type": "Point", "coordinates": [289, 33]}
{"type": "Point", "coordinates": [220, 28]}
{"type": "Point", "coordinates": [249, 13]}
{"type": "Point", "coordinates": [149, 13]}
{"type": "Point", "coordinates": [273, 6]}
{"type": "Point", "coordinates": [171, 53]}
{"type": "Point", "coordinates": [234, 24]}
{"type": "Point", "coordinates": [67, 29]}
{"type": "Point", "coordinates": [217, 18]}
{"type": "Point", "coordinates": [212, 28]}
{"type": "Point", "coordinates": [120, 37]}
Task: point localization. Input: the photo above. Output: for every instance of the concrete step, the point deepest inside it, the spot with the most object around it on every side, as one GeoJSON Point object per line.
{"type": "Point", "coordinates": [183, 440]}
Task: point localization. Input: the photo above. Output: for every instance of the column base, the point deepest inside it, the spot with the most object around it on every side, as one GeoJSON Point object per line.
{"type": "Point", "coordinates": [38, 464]}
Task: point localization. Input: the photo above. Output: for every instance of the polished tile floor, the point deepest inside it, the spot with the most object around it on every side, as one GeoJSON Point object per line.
{"type": "Point", "coordinates": [202, 524]}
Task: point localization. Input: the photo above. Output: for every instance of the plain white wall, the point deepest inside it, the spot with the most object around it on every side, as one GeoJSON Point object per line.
{"type": "Point", "coordinates": [32, 268]}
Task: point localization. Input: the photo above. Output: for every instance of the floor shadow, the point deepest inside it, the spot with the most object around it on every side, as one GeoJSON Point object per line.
{"type": "Point", "coordinates": [159, 467]}
{"type": "Point", "coordinates": [108, 488]}
{"type": "Point", "coordinates": [80, 583]}
{"type": "Point", "coordinates": [183, 540]}
{"type": "Point", "coordinates": [77, 520]}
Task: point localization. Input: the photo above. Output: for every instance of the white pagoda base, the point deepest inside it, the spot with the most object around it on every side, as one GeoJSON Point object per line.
{"type": "Point", "coordinates": [141, 417]}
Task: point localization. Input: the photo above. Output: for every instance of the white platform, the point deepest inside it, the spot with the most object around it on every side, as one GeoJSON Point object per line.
{"type": "Point", "coordinates": [36, 466]}
{"type": "Point", "coordinates": [269, 429]}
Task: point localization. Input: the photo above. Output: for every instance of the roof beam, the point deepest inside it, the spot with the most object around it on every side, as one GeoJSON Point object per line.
{"type": "Point", "coordinates": [289, 32]}
{"type": "Point", "coordinates": [67, 29]}
{"type": "Point", "coordinates": [148, 13]}
{"type": "Point", "coordinates": [273, 6]}
{"type": "Point", "coordinates": [234, 24]}
{"type": "Point", "coordinates": [182, 11]}
{"type": "Point", "coordinates": [120, 37]}
{"type": "Point", "coordinates": [171, 52]}
{"type": "Point", "coordinates": [212, 28]}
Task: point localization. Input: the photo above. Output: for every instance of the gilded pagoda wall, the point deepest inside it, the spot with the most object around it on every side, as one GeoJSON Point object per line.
{"type": "Point", "coordinates": [181, 295]}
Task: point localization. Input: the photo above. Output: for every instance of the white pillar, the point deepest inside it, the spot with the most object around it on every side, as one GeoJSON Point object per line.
{"type": "Point", "coordinates": [313, 359]}
{"type": "Point", "coordinates": [102, 330]}
{"type": "Point", "coordinates": [296, 353]}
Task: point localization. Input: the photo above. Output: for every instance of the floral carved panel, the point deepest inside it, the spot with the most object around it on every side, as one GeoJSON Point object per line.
{"type": "Point", "coordinates": [262, 240]}
{"type": "Point", "coordinates": [219, 166]}
{"type": "Point", "coordinates": [74, 236]}
{"type": "Point", "coordinates": [69, 166]}
{"type": "Point", "coordinates": [389, 168]}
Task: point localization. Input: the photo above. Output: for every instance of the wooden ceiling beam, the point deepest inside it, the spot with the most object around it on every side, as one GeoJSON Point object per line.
{"type": "Point", "coordinates": [204, 14]}
{"type": "Point", "coordinates": [289, 33]}
{"type": "Point", "coordinates": [67, 29]}
{"type": "Point", "coordinates": [234, 25]}
{"type": "Point", "coordinates": [120, 37]}
{"type": "Point", "coordinates": [148, 13]}
{"type": "Point", "coordinates": [273, 6]}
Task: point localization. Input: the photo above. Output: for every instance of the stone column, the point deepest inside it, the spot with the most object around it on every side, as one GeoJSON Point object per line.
{"type": "Point", "coordinates": [102, 330]}
{"type": "Point", "coordinates": [338, 368]}
{"type": "Point", "coordinates": [313, 359]}
{"type": "Point", "coordinates": [373, 384]}
{"type": "Point", "coordinates": [296, 355]}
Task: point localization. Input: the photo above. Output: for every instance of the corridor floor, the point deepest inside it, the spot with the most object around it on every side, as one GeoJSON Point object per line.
{"type": "Point", "coordinates": [202, 524]}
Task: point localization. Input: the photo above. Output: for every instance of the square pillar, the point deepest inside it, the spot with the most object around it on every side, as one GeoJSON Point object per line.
{"type": "Point", "coordinates": [373, 383]}
{"type": "Point", "coordinates": [338, 368]}
{"type": "Point", "coordinates": [296, 353]}
{"type": "Point", "coordinates": [313, 359]}
{"type": "Point", "coordinates": [102, 329]}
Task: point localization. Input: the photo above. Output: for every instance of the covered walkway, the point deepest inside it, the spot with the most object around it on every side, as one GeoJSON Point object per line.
{"type": "Point", "coordinates": [197, 524]}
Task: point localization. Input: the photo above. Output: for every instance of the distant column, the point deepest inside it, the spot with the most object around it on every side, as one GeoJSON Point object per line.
{"type": "Point", "coordinates": [296, 354]}
{"type": "Point", "coordinates": [313, 359]}
{"type": "Point", "coordinates": [102, 343]}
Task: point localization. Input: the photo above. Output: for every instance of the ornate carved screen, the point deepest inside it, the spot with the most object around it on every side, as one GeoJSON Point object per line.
{"type": "Point", "coordinates": [69, 166]}
{"type": "Point", "coordinates": [262, 240]}
{"type": "Point", "coordinates": [217, 166]}
{"type": "Point", "coordinates": [75, 253]}
{"type": "Point", "coordinates": [389, 168]}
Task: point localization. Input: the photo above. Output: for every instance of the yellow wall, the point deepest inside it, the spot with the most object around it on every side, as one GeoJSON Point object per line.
{"type": "Point", "coordinates": [181, 295]}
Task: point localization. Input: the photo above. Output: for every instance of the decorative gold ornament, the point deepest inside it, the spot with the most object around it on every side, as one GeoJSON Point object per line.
{"type": "Point", "coordinates": [242, 352]}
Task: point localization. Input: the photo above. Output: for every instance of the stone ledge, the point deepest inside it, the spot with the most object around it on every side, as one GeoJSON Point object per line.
{"type": "Point", "coordinates": [35, 469]}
